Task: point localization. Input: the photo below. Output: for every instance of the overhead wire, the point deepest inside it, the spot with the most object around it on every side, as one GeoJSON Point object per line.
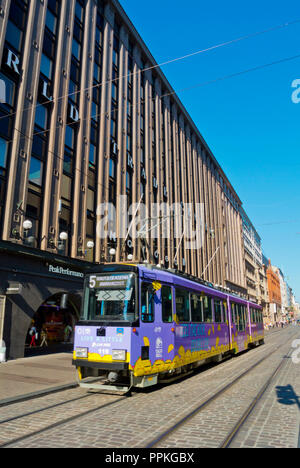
{"type": "Point", "coordinates": [205, 83]}
{"type": "Point", "coordinates": [115, 109]}
{"type": "Point", "coordinates": [192, 54]}
{"type": "Point", "coordinates": [30, 137]}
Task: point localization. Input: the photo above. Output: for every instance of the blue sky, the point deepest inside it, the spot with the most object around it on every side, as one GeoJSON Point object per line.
{"type": "Point", "coordinates": [249, 121]}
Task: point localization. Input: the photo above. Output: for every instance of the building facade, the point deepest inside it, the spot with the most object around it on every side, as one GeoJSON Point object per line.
{"type": "Point", "coordinates": [255, 267]}
{"type": "Point", "coordinates": [274, 294]}
{"type": "Point", "coordinates": [93, 139]}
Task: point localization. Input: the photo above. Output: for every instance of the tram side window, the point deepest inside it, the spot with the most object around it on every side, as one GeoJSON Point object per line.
{"type": "Point", "coordinates": [207, 309]}
{"type": "Point", "coordinates": [241, 317]}
{"type": "Point", "coordinates": [225, 317]}
{"type": "Point", "coordinates": [197, 308]}
{"type": "Point", "coordinates": [147, 302]}
{"type": "Point", "coordinates": [182, 305]}
{"type": "Point", "coordinates": [246, 315]}
{"type": "Point", "coordinates": [233, 313]}
{"type": "Point", "coordinates": [218, 311]}
{"type": "Point", "coordinates": [166, 304]}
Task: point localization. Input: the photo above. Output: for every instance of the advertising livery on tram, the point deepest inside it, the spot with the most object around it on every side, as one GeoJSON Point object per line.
{"type": "Point", "coordinates": [140, 325]}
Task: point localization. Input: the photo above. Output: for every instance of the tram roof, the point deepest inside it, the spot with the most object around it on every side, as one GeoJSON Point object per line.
{"type": "Point", "coordinates": [159, 272]}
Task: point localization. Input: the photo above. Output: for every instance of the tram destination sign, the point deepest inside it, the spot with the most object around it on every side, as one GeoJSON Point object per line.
{"type": "Point", "coordinates": [109, 282]}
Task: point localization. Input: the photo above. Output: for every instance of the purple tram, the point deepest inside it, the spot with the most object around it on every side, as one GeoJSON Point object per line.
{"type": "Point", "coordinates": [141, 325]}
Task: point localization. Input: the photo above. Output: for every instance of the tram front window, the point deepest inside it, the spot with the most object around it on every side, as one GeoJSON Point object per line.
{"type": "Point", "coordinates": [110, 297]}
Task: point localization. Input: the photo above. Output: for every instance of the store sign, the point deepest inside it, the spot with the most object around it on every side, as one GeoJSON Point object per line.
{"type": "Point", "coordinates": [65, 271]}
{"type": "Point", "coordinates": [13, 62]}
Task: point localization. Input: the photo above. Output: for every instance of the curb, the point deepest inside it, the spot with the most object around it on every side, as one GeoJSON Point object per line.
{"type": "Point", "coordinates": [37, 394]}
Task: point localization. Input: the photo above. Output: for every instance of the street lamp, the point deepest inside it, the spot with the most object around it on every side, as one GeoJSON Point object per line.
{"type": "Point", "coordinates": [90, 244]}
{"type": "Point", "coordinates": [63, 236]}
{"type": "Point", "coordinates": [27, 225]}
{"type": "Point", "coordinates": [112, 253]}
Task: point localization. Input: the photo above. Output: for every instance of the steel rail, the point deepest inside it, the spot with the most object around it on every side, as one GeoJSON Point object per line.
{"type": "Point", "coordinates": [208, 401]}
{"type": "Point", "coordinates": [237, 427]}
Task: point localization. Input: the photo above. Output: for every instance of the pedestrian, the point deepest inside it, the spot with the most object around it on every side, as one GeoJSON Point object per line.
{"type": "Point", "coordinates": [34, 335]}
{"type": "Point", "coordinates": [67, 332]}
{"type": "Point", "coordinates": [44, 336]}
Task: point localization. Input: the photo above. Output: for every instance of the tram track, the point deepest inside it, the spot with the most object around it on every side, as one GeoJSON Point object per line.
{"type": "Point", "coordinates": [242, 420]}
{"type": "Point", "coordinates": [156, 442]}
{"type": "Point", "coordinates": [56, 424]}
{"type": "Point", "coordinates": [114, 402]}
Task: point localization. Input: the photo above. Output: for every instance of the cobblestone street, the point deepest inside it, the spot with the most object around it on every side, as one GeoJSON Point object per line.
{"type": "Point", "coordinates": [75, 418]}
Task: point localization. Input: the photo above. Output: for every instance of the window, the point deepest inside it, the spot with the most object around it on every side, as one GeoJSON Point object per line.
{"type": "Point", "coordinates": [41, 116]}
{"type": "Point", "coordinates": [92, 155]}
{"type": "Point", "coordinates": [9, 90]}
{"type": "Point", "coordinates": [66, 187]}
{"type": "Point", "coordinates": [233, 314]}
{"type": "Point", "coordinates": [36, 171]}
{"type": "Point", "coordinates": [225, 318]}
{"type": "Point", "coordinates": [68, 162]}
{"type": "Point", "coordinates": [46, 66]}
{"type": "Point", "coordinates": [240, 319]}
{"type": "Point", "coordinates": [207, 309]}
{"type": "Point", "coordinates": [3, 152]}
{"type": "Point", "coordinates": [76, 49]}
{"type": "Point", "coordinates": [112, 169]}
{"type": "Point", "coordinates": [14, 36]}
{"type": "Point", "coordinates": [196, 308]}
{"type": "Point", "coordinates": [79, 11]}
{"type": "Point", "coordinates": [182, 305]}
{"type": "Point", "coordinates": [147, 303]}
{"type": "Point", "coordinates": [218, 311]}
{"type": "Point", "coordinates": [51, 21]}
{"type": "Point", "coordinates": [166, 304]}
{"type": "Point", "coordinates": [91, 200]}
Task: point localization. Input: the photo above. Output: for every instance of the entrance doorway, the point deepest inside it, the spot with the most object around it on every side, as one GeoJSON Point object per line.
{"type": "Point", "coordinates": [52, 326]}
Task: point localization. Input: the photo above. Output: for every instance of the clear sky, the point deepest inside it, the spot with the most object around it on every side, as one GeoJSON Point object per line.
{"type": "Point", "coordinates": [249, 121]}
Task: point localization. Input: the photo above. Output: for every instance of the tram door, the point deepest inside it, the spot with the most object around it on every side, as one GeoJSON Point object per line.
{"type": "Point", "coordinates": [156, 321]}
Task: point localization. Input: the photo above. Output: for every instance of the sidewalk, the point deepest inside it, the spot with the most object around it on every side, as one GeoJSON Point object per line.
{"type": "Point", "coordinates": [40, 374]}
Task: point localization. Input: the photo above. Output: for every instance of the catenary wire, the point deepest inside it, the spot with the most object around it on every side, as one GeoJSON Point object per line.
{"type": "Point", "coordinates": [201, 51]}
{"type": "Point", "coordinates": [205, 83]}
{"type": "Point", "coordinates": [200, 84]}
{"type": "Point", "coordinates": [215, 227]}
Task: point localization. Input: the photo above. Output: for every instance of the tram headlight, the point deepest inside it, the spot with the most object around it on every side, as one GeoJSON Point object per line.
{"type": "Point", "coordinates": [81, 352]}
{"type": "Point", "coordinates": [118, 354]}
